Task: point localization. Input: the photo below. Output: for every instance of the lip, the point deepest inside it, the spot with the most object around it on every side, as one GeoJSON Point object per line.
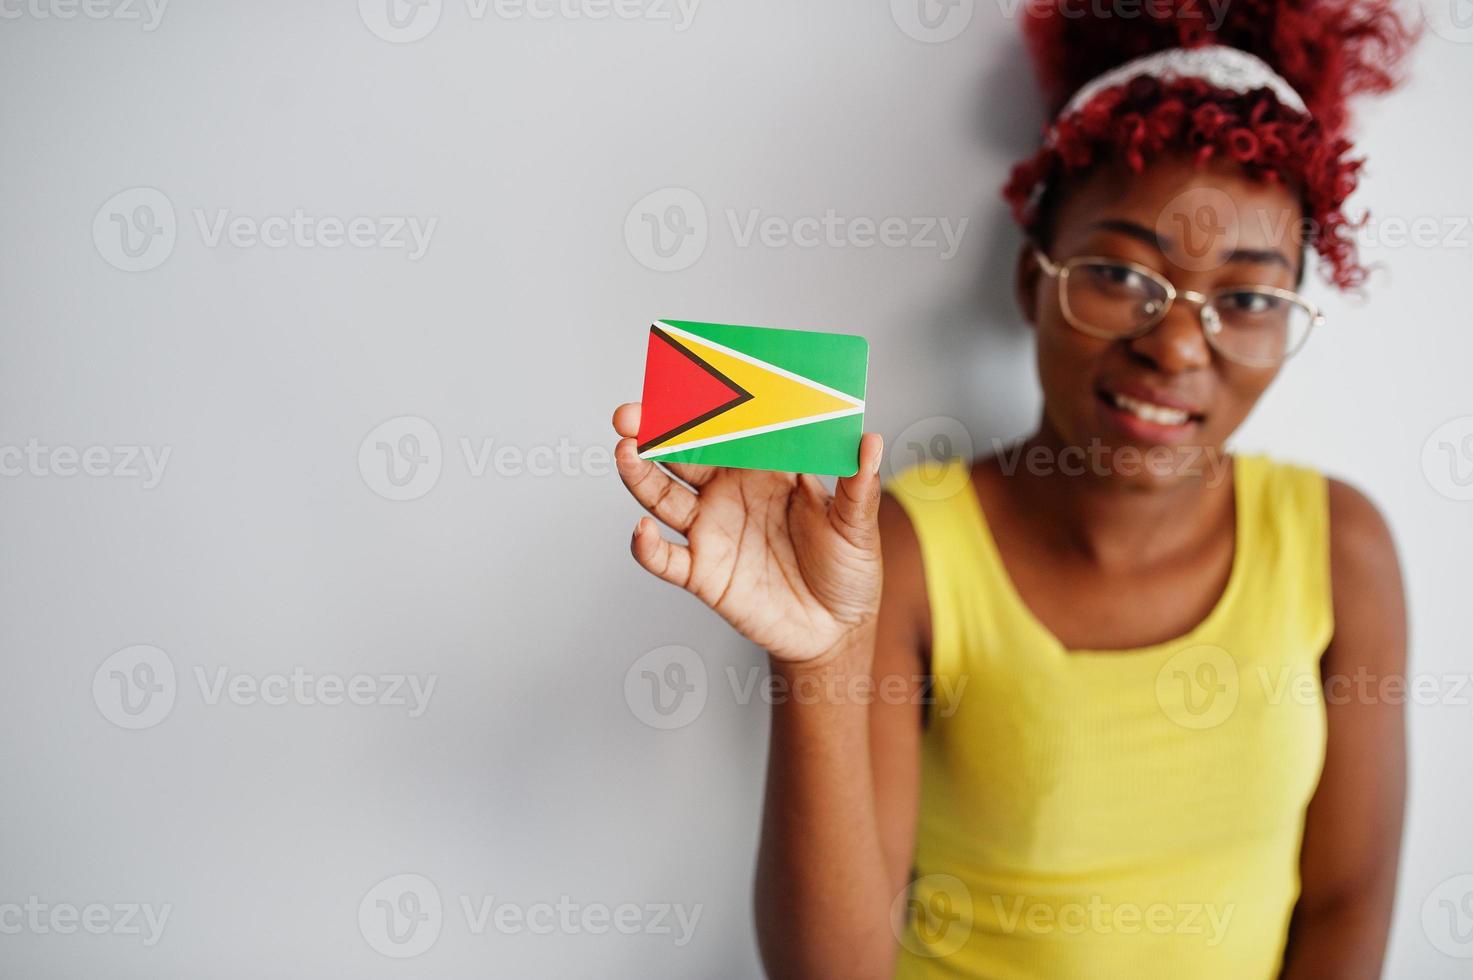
{"type": "Point", "coordinates": [1140, 430]}
{"type": "Point", "coordinates": [1145, 393]}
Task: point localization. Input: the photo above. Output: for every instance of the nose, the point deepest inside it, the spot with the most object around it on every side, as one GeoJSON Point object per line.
{"type": "Point", "coordinates": [1176, 344]}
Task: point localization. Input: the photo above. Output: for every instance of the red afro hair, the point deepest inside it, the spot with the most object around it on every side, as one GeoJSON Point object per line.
{"type": "Point", "coordinates": [1328, 50]}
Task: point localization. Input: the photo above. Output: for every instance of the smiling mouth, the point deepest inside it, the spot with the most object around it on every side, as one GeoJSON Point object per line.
{"type": "Point", "coordinates": [1148, 411]}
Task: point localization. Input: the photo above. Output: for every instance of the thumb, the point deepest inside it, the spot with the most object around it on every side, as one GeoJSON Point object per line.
{"type": "Point", "coordinates": [856, 507]}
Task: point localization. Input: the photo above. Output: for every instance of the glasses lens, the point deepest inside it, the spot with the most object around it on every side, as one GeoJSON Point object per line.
{"type": "Point", "coordinates": [1113, 299]}
{"type": "Point", "coordinates": [1260, 327]}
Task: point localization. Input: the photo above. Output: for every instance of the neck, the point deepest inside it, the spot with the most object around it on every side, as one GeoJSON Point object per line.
{"type": "Point", "coordinates": [1112, 519]}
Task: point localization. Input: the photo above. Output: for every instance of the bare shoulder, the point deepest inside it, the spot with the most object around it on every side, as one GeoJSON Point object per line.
{"type": "Point", "coordinates": [905, 603]}
{"type": "Point", "coordinates": [1370, 607]}
{"type": "Point", "coordinates": [1360, 538]}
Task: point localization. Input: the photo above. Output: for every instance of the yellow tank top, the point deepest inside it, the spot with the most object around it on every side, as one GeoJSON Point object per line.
{"type": "Point", "coordinates": [1128, 814]}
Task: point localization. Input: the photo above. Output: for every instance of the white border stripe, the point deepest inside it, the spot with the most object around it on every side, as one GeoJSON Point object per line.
{"type": "Point", "coordinates": [664, 450]}
{"type": "Point", "coordinates": [760, 363]}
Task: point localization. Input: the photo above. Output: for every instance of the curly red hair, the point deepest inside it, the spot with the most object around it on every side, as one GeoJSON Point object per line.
{"type": "Point", "coordinates": [1328, 50]}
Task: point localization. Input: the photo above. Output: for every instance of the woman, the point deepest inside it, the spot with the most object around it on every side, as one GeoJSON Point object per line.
{"type": "Point", "coordinates": [1097, 707]}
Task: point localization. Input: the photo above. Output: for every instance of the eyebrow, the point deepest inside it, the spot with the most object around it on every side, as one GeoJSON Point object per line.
{"type": "Point", "coordinates": [1261, 256]}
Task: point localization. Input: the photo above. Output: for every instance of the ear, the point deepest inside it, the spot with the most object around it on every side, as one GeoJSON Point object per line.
{"type": "Point", "coordinates": [1025, 282]}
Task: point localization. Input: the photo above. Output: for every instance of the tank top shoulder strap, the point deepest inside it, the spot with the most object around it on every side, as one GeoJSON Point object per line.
{"type": "Point", "coordinates": [1286, 510]}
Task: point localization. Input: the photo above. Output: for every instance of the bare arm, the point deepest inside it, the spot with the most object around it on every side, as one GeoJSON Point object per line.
{"type": "Point", "coordinates": [799, 572]}
{"type": "Point", "coordinates": [842, 789]}
{"type": "Point", "coordinates": [1352, 834]}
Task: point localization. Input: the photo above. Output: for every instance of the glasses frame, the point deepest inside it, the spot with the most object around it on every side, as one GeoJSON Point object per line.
{"type": "Point", "coordinates": [1207, 316]}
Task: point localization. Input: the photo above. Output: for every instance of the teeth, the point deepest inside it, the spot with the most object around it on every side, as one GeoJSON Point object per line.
{"type": "Point", "coordinates": [1159, 414]}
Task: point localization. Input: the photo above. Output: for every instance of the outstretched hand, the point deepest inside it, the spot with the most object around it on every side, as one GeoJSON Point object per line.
{"type": "Point", "coordinates": [795, 569]}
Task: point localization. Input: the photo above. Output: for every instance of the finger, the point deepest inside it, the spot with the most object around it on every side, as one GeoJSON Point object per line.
{"type": "Point", "coordinates": [856, 508]}
{"type": "Point", "coordinates": [664, 559]}
{"type": "Point", "coordinates": [696, 474]}
{"type": "Point", "coordinates": [626, 419]}
{"type": "Point", "coordinates": [660, 494]}
{"type": "Point", "coordinates": [626, 423]}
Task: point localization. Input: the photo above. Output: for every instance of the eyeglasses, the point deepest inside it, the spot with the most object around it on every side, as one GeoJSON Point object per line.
{"type": "Point", "coordinates": [1259, 326]}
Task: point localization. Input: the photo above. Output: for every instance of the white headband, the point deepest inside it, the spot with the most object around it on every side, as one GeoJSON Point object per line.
{"type": "Point", "coordinates": [1217, 65]}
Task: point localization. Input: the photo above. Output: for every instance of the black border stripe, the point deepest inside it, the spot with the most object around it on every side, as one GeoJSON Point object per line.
{"type": "Point", "coordinates": [745, 395]}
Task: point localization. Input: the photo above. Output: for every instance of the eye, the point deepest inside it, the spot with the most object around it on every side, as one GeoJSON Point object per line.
{"type": "Point", "coordinates": [1123, 276]}
{"type": "Point", "coordinates": [1251, 303]}
{"type": "Point", "coordinates": [1119, 278]}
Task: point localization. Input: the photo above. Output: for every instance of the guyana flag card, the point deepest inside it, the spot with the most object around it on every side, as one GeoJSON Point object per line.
{"type": "Point", "coordinates": [753, 397]}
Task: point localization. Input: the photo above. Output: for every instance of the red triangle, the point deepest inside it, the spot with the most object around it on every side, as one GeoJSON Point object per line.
{"type": "Point", "coordinates": [680, 390]}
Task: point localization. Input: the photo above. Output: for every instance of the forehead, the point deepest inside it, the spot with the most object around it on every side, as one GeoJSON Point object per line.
{"type": "Point", "coordinates": [1190, 207]}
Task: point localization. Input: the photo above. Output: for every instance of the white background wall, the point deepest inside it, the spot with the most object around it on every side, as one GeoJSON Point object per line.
{"type": "Point", "coordinates": [266, 547]}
